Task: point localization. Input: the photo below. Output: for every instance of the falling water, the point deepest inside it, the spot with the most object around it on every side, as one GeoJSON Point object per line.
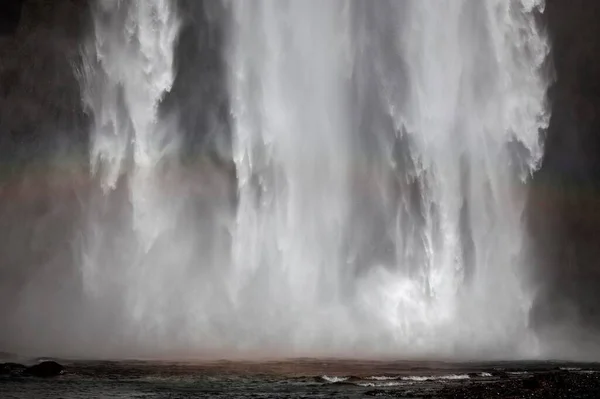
{"type": "Point", "coordinates": [381, 151]}
{"type": "Point", "coordinates": [381, 148]}
{"type": "Point", "coordinates": [128, 69]}
{"type": "Point", "coordinates": [134, 52]}
{"type": "Point", "coordinates": [293, 157]}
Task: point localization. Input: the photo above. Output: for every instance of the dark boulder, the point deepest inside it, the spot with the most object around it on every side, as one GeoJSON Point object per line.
{"type": "Point", "coordinates": [532, 383]}
{"type": "Point", "coordinates": [44, 369]}
{"type": "Point", "coordinates": [11, 369]}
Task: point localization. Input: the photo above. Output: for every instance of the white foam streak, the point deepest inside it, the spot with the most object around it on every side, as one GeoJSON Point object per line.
{"type": "Point", "coordinates": [334, 379]}
{"type": "Point", "coordinates": [448, 377]}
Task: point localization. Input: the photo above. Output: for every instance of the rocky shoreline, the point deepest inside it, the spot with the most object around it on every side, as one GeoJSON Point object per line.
{"type": "Point", "coordinates": [561, 384]}
{"type": "Point", "coordinates": [301, 378]}
{"type": "Point", "coordinates": [43, 369]}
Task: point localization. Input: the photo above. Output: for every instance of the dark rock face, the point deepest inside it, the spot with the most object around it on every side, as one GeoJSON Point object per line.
{"type": "Point", "coordinates": [564, 209]}
{"type": "Point", "coordinates": [573, 143]}
{"type": "Point", "coordinates": [10, 14]}
{"type": "Point", "coordinates": [199, 94]}
{"type": "Point", "coordinates": [40, 101]}
{"type": "Point", "coordinates": [44, 369]}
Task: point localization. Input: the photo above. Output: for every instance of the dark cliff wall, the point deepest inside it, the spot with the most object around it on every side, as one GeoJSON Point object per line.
{"type": "Point", "coordinates": [565, 202]}
{"type": "Point", "coordinates": [40, 111]}
{"type": "Point", "coordinates": [10, 15]}
{"type": "Point", "coordinates": [573, 144]}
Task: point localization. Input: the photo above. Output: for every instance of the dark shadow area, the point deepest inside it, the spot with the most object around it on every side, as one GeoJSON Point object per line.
{"type": "Point", "coordinates": [564, 210]}
{"type": "Point", "coordinates": [41, 116]}
{"type": "Point", "coordinates": [10, 15]}
{"type": "Point", "coordinates": [199, 94]}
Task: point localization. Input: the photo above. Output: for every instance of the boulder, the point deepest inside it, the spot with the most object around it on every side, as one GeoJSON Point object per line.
{"type": "Point", "coordinates": [11, 369]}
{"type": "Point", "coordinates": [44, 369]}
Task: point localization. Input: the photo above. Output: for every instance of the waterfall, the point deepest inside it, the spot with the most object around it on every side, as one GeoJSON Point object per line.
{"type": "Point", "coordinates": [382, 151]}
{"type": "Point", "coordinates": [133, 56]}
{"type": "Point", "coordinates": [289, 96]}
{"type": "Point", "coordinates": [127, 71]}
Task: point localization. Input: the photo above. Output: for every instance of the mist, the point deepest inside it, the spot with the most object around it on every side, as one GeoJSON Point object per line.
{"type": "Point", "coordinates": [280, 188]}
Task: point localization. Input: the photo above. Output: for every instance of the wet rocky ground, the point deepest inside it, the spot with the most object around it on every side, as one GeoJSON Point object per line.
{"type": "Point", "coordinates": [306, 378]}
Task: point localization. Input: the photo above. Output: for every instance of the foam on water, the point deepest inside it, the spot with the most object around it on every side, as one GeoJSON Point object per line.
{"type": "Point", "coordinates": [382, 378]}
{"type": "Point", "coordinates": [334, 379]}
{"type": "Point", "coordinates": [437, 377]}
{"type": "Point", "coordinates": [382, 384]}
